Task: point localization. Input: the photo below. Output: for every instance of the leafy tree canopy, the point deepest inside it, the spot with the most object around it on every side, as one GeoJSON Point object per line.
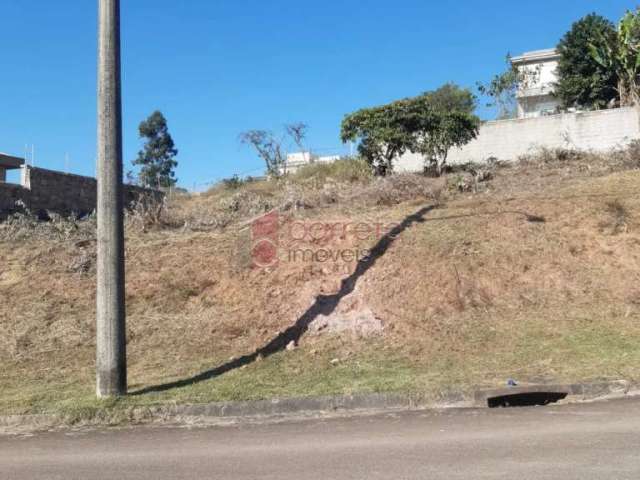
{"type": "Point", "coordinates": [620, 54]}
{"type": "Point", "coordinates": [445, 131]}
{"type": "Point", "coordinates": [383, 132]}
{"type": "Point", "coordinates": [452, 98]}
{"type": "Point", "coordinates": [157, 158]}
{"type": "Point", "coordinates": [429, 124]}
{"type": "Point", "coordinates": [582, 81]}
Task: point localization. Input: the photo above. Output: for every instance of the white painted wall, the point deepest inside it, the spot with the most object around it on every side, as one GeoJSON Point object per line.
{"type": "Point", "coordinates": [541, 75]}
{"type": "Point", "coordinates": [299, 159]}
{"type": "Point", "coordinates": [537, 106]}
{"type": "Point", "coordinates": [539, 70]}
{"type": "Point", "coordinates": [508, 139]}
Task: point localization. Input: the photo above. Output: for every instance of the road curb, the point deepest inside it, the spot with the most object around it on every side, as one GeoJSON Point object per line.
{"type": "Point", "coordinates": [327, 404]}
{"type": "Point", "coordinates": [310, 406]}
{"type": "Point", "coordinates": [576, 392]}
{"type": "Point", "coordinates": [573, 391]}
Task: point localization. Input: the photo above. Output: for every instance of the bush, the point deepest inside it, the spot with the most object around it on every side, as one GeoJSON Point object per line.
{"type": "Point", "coordinates": [347, 170]}
{"type": "Point", "coordinates": [630, 156]}
{"type": "Point", "coordinates": [232, 183]}
{"type": "Point", "coordinates": [25, 224]}
{"type": "Point", "coordinates": [622, 159]}
{"type": "Point", "coordinates": [401, 187]}
{"type": "Point", "coordinates": [235, 182]}
{"type": "Point", "coordinates": [550, 156]}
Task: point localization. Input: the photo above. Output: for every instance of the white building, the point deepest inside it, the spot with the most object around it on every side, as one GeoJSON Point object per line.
{"type": "Point", "coordinates": [299, 159]}
{"type": "Point", "coordinates": [540, 123]}
{"type": "Point", "coordinates": [535, 92]}
{"type": "Point", "coordinates": [8, 162]}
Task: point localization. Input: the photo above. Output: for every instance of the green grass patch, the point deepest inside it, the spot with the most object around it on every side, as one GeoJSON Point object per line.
{"type": "Point", "coordinates": [580, 348]}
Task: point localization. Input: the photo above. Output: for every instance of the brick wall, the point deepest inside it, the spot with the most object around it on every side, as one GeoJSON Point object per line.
{"type": "Point", "coordinates": [508, 139]}
{"type": "Point", "coordinates": [64, 193]}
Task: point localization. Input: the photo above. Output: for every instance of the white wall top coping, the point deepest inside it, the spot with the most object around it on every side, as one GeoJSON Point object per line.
{"type": "Point", "coordinates": [548, 54]}
{"type": "Point", "coordinates": [610, 111]}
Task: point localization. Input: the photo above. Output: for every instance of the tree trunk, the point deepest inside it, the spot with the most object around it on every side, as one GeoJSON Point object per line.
{"type": "Point", "coordinates": [442, 163]}
{"type": "Point", "coordinates": [634, 93]}
{"type": "Point", "coordinates": [111, 363]}
{"type": "Point", "coordinates": [624, 92]}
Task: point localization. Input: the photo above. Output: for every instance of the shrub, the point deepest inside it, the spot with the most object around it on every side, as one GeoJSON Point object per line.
{"type": "Point", "coordinates": [232, 183]}
{"type": "Point", "coordinates": [549, 156]}
{"type": "Point", "coordinates": [630, 156]}
{"type": "Point", "coordinates": [347, 170]}
{"type": "Point", "coordinates": [400, 187]}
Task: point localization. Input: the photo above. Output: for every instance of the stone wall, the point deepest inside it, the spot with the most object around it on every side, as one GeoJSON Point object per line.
{"type": "Point", "coordinates": [508, 139]}
{"type": "Point", "coordinates": [48, 190]}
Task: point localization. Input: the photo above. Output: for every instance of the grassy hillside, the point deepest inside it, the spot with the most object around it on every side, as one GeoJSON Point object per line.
{"type": "Point", "coordinates": [530, 271]}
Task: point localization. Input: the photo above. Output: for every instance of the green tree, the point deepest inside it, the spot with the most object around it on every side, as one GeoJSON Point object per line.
{"type": "Point", "coordinates": [452, 98]}
{"type": "Point", "coordinates": [445, 131]}
{"type": "Point", "coordinates": [584, 82]}
{"type": "Point", "coordinates": [157, 158]}
{"type": "Point", "coordinates": [620, 54]}
{"type": "Point", "coordinates": [430, 124]}
{"type": "Point", "coordinates": [450, 124]}
{"type": "Point", "coordinates": [383, 133]}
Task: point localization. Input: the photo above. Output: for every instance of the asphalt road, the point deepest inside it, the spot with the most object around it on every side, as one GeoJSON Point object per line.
{"type": "Point", "coordinates": [589, 441]}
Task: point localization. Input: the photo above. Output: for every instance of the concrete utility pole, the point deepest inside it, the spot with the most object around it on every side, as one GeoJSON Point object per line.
{"type": "Point", "coordinates": [111, 357]}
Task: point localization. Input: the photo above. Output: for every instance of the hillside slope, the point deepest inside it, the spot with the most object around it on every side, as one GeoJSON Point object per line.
{"type": "Point", "coordinates": [536, 276]}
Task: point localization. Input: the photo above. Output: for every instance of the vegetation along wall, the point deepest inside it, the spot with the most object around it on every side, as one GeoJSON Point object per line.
{"type": "Point", "coordinates": [508, 139]}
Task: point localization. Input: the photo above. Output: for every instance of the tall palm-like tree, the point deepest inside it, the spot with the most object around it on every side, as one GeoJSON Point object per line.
{"type": "Point", "coordinates": [621, 54]}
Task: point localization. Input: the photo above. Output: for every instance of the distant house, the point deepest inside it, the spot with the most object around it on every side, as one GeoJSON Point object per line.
{"type": "Point", "coordinates": [535, 94]}
{"type": "Point", "coordinates": [540, 123]}
{"type": "Point", "coordinates": [42, 191]}
{"type": "Point", "coordinates": [299, 159]}
{"type": "Point", "coordinates": [8, 162]}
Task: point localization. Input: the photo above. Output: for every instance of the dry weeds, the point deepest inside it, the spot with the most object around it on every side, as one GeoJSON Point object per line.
{"type": "Point", "coordinates": [474, 292]}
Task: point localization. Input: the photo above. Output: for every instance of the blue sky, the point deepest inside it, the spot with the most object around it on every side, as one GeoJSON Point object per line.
{"type": "Point", "coordinates": [218, 67]}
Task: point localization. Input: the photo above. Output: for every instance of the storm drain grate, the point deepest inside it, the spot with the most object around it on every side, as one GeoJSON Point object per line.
{"type": "Point", "coordinates": [525, 399]}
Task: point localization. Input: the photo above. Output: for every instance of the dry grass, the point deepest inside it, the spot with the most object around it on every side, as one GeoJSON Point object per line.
{"type": "Point", "coordinates": [343, 187]}
{"type": "Point", "coordinates": [535, 276]}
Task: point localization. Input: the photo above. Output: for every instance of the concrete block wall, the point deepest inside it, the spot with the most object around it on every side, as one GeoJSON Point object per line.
{"type": "Point", "coordinates": [10, 194]}
{"type": "Point", "coordinates": [59, 192]}
{"type": "Point", "coordinates": [63, 193]}
{"type": "Point", "coordinates": [601, 130]}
